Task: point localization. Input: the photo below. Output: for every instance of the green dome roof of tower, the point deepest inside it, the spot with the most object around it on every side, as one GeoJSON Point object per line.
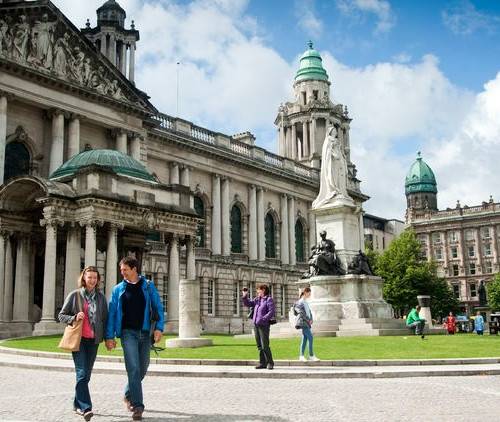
{"type": "Point", "coordinates": [119, 162]}
{"type": "Point", "coordinates": [311, 66]}
{"type": "Point", "coordinates": [420, 178]}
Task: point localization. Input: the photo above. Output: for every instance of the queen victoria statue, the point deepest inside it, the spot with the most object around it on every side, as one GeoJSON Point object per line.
{"type": "Point", "coordinates": [333, 178]}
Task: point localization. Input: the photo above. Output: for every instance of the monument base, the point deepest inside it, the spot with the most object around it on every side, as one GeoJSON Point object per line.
{"type": "Point", "coordinates": [15, 329]}
{"type": "Point", "coordinates": [45, 328]}
{"type": "Point", "coordinates": [188, 342]}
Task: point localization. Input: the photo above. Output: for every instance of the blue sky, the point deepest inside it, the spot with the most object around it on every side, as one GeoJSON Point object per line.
{"type": "Point", "coordinates": [416, 75]}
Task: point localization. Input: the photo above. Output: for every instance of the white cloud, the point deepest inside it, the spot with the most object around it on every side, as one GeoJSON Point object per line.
{"type": "Point", "coordinates": [307, 19]}
{"type": "Point", "coordinates": [381, 9]}
{"type": "Point", "coordinates": [465, 19]}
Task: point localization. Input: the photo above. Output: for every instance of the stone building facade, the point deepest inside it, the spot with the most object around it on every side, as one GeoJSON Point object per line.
{"type": "Point", "coordinates": [464, 241]}
{"type": "Point", "coordinates": [380, 232]}
{"type": "Point", "coordinates": [91, 171]}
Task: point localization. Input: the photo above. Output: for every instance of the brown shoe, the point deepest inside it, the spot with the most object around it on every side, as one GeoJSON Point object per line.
{"type": "Point", "coordinates": [128, 405]}
{"type": "Point", "coordinates": [137, 414]}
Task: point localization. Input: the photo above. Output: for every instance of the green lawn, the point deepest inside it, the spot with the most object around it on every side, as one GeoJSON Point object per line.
{"type": "Point", "coordinates": [228, 347]}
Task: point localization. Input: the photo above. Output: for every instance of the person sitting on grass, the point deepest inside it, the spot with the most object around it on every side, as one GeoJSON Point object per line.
{"type": "Point", "coordinates": [416, 323]}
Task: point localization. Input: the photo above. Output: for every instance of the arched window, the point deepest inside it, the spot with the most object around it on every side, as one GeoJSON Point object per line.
{"type": "Point", "coordinates": [270, 233]}
{"type": "Point", "coordinates": [299, 241]}
{"type": "Point", "coordinates": [199, 208]}
{"type": "Point", "coordinates": [236, 229]}
{"type": "Point", "coordinates": [17, 160]}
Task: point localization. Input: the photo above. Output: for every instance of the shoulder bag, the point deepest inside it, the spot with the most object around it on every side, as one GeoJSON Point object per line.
{"type": "Point", "coordinates": [72, 336]}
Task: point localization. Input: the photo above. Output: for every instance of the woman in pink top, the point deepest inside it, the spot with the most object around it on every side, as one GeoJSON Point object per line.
{"type": "Point", "coordinates": [86, 303]}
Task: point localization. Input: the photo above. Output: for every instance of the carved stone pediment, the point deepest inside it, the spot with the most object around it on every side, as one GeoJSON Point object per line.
{"type": "Point", "coordinates": [42, 39]}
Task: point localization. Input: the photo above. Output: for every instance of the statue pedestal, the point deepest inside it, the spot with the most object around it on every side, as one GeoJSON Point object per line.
{"type": "Point", "coordinates": [425, 310]}
{"type": "Point", "coordinates": [343, 223]}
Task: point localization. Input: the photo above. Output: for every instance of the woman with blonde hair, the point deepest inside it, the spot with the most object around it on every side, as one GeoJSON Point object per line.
{"type": "Point", "coordinates": [86, 304]}
{"type": "Point", "coordinates": [304, 321]}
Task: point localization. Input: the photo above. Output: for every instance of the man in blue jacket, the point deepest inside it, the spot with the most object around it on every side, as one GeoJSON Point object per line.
{"type": "Point", "coordinates": [133, 303]}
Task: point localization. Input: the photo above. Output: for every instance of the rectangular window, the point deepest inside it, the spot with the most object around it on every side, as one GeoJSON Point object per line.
{"type": "Point", "coordinates": [283, 300]}
{"type": "Point", "coordinates": [488, 267]}
{"type": "Point", "coordinates": [315, 94]}
{"type": "Point", "coordinates": [236, 298]}
{"type": "Point", "coordinates": [469, 234]}
{"type": "Point", "coordinates": [487, 249]}
{"type": "Point", "coordinates": [304, 98]}
{"type": "Point", "coordinates": [455, 269]}
{"type": "Point", "coordinates": [422, 238]}
{"type": "Point", "coordinates": [438, 254]}
{"type": "Point", "coordinates": [271, 290]}
{"type": "Point", "coordinates": [453, 236]}
{"type": "Point", "coordinates": [436, 237]}
{"type": "Point", "coordinates": [472, 289]}
{"type": "Point", "coordinates": [456, 291]}
{"type": "Point", "coordinates": [454, 252]}
{"type": "Point", "coordinates": [471, 251]}
{"type": "Point", "coordinates": [472, 268]}
{"type": "Point", "coordinates": [485, 232]}
{"type": "Point", "coordinates": [210, 297]}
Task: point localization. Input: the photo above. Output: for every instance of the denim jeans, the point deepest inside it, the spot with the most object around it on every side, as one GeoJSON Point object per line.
{"type": "Point", "coordinates": [262, 340]}
{"type": "Point", "coordinates": [418, 326]}
{"type": "Point", "coordinates": [136, 346]}
{"type": "Point", "coordinates": [84, 362]}
{"type": "Point", "coordinates": [307, 337]}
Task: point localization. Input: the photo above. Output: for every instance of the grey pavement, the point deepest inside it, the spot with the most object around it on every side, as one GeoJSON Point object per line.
{"type": "Point", "coordinates": [46, 395]}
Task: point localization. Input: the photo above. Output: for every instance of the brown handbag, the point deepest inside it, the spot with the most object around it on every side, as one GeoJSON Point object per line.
{"type": "Point", "coordinates": [72, 336]}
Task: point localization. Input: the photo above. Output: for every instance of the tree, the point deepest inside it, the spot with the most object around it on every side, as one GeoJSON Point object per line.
{"type": "Point", "coordinates": [493, 292]}
{"type": "Point", "coordinates": [407, 274]}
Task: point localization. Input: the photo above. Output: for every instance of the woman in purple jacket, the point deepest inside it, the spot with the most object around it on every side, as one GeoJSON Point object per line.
{"type": "Point", "coordinates": [262, 313]}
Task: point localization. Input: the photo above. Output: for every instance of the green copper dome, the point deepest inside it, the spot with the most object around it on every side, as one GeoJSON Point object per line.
{"type": "Point", "coordinates": [311, 66]}
{"type": "Point", "coordinates": [420, 178]}
{"type": "Point", "coordinates": [119, 162]}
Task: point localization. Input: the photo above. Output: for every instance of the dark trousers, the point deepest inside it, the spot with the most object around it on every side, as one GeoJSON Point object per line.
{"type": "Point", "coordinates": [84, 362]}
{"type": "Point", "coordinates": [262, 340]}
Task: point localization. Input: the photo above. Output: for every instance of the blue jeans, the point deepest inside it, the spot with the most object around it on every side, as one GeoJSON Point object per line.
{"type": "Point", "coordinates": [136, 346]}
{"type": "Point", "coordinates": [84, 362]}
{"type": "Point", "coordinates": [418, 326]}
{"type": "Point", "coordinates": [307, 337]}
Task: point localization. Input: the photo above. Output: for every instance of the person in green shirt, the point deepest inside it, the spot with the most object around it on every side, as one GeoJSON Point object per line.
{"type": "Point", "coordinates": [414, 321]}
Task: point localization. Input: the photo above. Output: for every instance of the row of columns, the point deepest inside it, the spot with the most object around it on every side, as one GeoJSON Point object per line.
{"type": "Point", "coordinates": [57, 146]}
{"type": "Point", "coordinates": [180, 174]}
{"type": "Point", "coordinates": [221, 235]}
{"type": "Point", "coordinates": [118, 56]}
{"type": "Point", "coordinates": [123, 137]}
{"type": "Point", "coordinates": [289, 141]}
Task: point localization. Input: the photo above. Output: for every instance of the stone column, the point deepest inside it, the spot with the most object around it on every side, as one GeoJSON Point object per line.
{"type": "Point", "coordinates": [90, 244]}
{"type": "Point", "coordinates": [312, 136]}
{"type": "Point", "coordinates": [123, 62]}
{"type": "Point", "coordinates": [288, 142]}
{"type": "Point", "coordinates": [252, 223]}
{"type": "Point", "coordinates": [479, 249]}
{"type": "Point", "coordinates": [131, 67]}
{"type": "Point", "coordinates": [216, 215]}
{"type": "Point", "coordinates": [121, 141]}
{"type": "Point", "coordinates": [285, 251]}
{"type": "Point", "coordinates": [2, 271]}
{"type": "Point", "coordinates": [135, 147]}
{"type": "Point", "coordinates": [103, 44]}
{"type": "Point", "coordinates": [311, 219]}
{"type": "Point", "coordinates": [494, 245]}
{"type": "Point", "coordinates": [261, 233]}
{"type": "Point", "coordinates": [111, 260]}
{"type": "Point", "coordinates": [8, 298]}
{"type": "Point", "coordinates": [72, 268]}
{"type": "Point", "coordinates": [461, 241]}
{"type": "Point", "coordinates": [73, 136]}
{"type": "Point", "coordinates": [291, 229]}
{"type": "Point", "coordinates": [225, 222]}
{"type": "Point", "coordinates": [281, 140]}
{"type": "Point", "coordinates": [57, 148]}
{"type": "Point", "coordinates": [112, 48]}
{"type": "Point", "coordinates": [49, 274]}
{"type": "Point", "coordinates": [294, 142]}
{"type": "Point", "coordinates": [22, 282]}
{"type": "Point", "coordinates": [445, 250]}
{"type": "Point", "coordinates": [174, 174]}
{"type": "Point", "coordinates": [3, 133]}
{"type": "Point", "coordinates": [185, 173]}
{"type": "Point", "coordinates": [305, 141]}
{"type": "Point", "coordinates": [190, 259]}
{"type": "Point", "coordinates": [173, 280]}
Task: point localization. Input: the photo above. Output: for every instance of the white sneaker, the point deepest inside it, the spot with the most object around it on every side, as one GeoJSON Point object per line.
{"type": "Point", "coordinates": [314, 359]}
{"type": "Point", "coordinates": [302, 359]}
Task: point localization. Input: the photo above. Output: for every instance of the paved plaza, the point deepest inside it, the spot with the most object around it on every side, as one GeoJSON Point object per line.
{"type": "Point", "coordinates": [41, 395]}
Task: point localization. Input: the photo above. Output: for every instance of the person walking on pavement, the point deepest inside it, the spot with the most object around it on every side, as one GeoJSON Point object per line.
{"type": "Point", "coordinates": [414, 321]}
{"type": "Point", "coordinates": [86, 304]}
{"type": "Point", "coordinates": [263, 311]}
{"type": "Point", "coordinates": [304, 321]}
{"type": "Point", "coordinates": [134, 302]}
